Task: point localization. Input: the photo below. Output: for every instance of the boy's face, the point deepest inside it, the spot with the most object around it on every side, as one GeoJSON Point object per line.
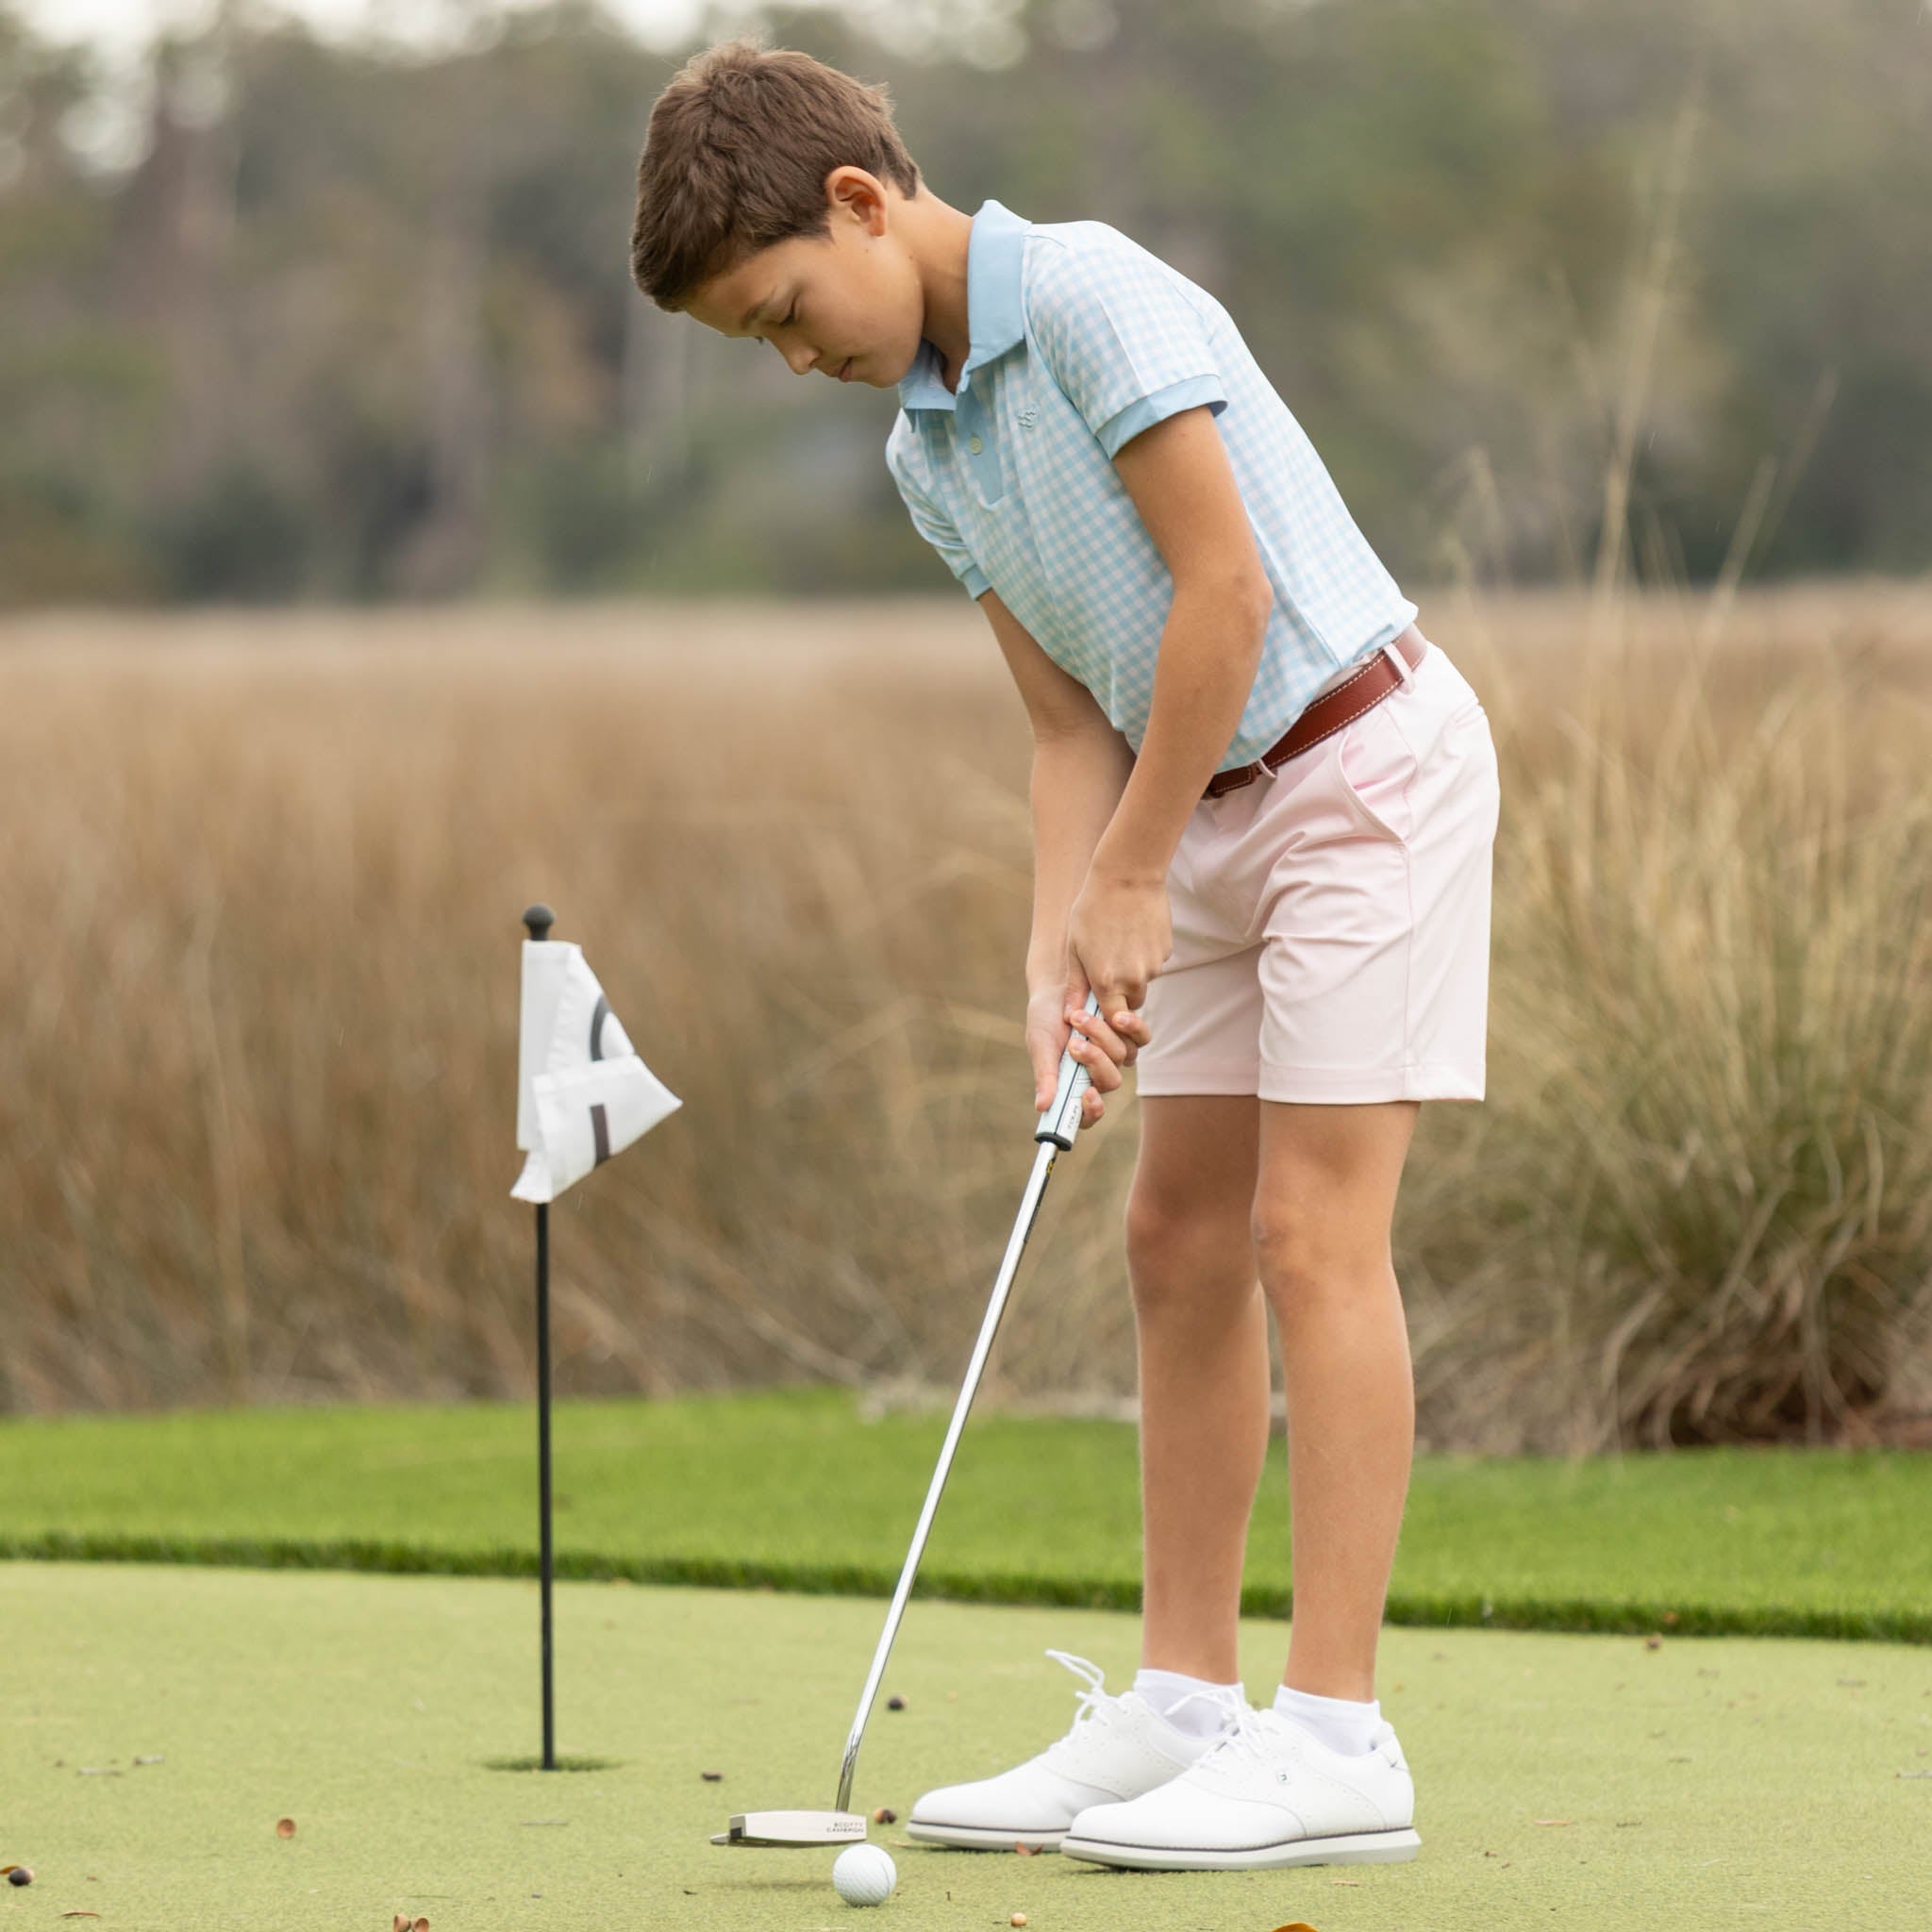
{"type": "Point", "coordinates": [849, 304]}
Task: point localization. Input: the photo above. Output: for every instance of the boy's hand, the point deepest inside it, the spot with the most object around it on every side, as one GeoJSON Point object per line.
{"type": "Point", "coordinates": [1054, 1014]}
{"type": "Point", "coordinates": [1119, 936]}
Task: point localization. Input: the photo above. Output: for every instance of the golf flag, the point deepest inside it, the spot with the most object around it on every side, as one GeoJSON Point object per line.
{"type": "Point", "coordinates": [582, 1092]}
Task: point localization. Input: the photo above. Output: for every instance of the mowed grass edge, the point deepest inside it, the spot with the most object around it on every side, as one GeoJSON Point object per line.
{"type": "Point", "coordinates": [804, 1490]}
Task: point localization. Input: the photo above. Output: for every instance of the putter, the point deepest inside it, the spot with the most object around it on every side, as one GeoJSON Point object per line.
{"type": "Point", "coordinates": [839, 1827]}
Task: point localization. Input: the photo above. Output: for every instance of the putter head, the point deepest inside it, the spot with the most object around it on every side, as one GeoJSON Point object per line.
{"type": "Point", "coordinates": [795, 1828]}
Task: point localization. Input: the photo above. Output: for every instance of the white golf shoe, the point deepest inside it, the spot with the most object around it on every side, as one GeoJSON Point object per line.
{"type": "Point", "coordinates": [1266, 1793]}
{"type": "Point", "coordinates": [1117, 1748]}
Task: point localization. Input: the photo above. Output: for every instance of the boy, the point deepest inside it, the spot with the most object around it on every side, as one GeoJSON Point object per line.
{"type": "Point", "coordinates": [1263, 809]}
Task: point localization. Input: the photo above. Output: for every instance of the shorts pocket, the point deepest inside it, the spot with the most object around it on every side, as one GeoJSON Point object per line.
{"type": "Point", "coordinates": [1376, 765]}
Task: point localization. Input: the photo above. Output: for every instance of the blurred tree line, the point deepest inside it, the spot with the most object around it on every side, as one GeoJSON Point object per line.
{"type": "Point", "coordinates": [355, 324]}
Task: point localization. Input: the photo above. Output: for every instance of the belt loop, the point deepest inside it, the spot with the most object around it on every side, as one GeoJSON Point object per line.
{"type": "Point", "coordinates": [1404, 669]}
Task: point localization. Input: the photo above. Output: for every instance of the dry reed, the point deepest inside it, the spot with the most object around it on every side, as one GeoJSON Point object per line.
{"type": "Point", "coordinates": [263, 876]}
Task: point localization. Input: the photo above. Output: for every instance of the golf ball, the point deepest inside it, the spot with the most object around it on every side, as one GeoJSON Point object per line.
{"type": "Point", "coordinates": [864, 1874]}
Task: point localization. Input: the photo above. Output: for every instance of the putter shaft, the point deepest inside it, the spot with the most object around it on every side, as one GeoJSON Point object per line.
{"type": "Point", "coordinates": [1055, 1133]}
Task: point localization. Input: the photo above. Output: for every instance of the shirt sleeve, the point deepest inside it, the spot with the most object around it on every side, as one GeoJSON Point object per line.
{"type": "Point", "coordinates": [931, 520]}
{"type": "Point", "coordinates": [1123, 339]}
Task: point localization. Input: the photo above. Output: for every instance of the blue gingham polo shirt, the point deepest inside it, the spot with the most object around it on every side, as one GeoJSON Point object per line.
{"type": "Point", "coordinates": [1080, 339]}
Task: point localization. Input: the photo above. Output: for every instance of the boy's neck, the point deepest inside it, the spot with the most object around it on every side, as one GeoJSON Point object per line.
{"type": "Point", "coordinates": [937, 236]}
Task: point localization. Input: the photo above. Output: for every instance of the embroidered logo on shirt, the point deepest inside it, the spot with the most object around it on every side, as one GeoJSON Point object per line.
{"type": "Point", "coordinates": [1028, 416]}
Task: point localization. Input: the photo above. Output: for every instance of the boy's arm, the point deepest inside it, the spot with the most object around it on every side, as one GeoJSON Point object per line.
{"type": "Point", "coordinates": [1132, 346]}
{"type": "Point", "coordinates": [1180, 478]}
{"type": "Point", "coordinates": [1080, 765]}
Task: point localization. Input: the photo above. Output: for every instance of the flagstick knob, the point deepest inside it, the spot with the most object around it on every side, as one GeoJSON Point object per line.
{"type": "Point", "coordinates": [540, 919]}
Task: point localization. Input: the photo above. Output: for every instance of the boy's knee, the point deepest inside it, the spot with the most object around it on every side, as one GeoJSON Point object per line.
{"type": "Point", "coordinates": [1172, 1242]}
{"type": "Point", "coordinates": [1154, 1226]}
{"type": "Point", "coordinates": [1303, 1257]}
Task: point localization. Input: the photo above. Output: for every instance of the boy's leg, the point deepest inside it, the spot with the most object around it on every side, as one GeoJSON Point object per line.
{"type": "Point", "coordinates": [1323, 1206]}
{"type": "Point", "coordinates": [1202, 1333]}
{"type": "Point", "coordinates": [1204, 1435]}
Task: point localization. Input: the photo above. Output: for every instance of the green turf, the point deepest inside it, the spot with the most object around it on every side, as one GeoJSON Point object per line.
{"type": "Point", "coordinates": [793, 1488]}
{"type": "Point", "coordinates": [1707, 1783]}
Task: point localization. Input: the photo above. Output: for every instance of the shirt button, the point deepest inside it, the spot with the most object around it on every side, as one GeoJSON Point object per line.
{"type": "Point", "coordinates": [975, 445]}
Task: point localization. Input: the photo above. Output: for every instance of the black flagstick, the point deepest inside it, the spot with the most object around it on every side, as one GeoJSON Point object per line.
{"type": "Point", "coordinates": [540, 919]}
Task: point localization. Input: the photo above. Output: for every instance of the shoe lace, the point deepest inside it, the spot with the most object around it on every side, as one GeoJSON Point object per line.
{"type": "Point", "coordinates": [1217, 1700]}
{"type": "Point", "coordinates": [1257, 1730]}
{"type": "Point", "coordinates": [1247, 1737]}
{"type": "Point", "coordinates": [1094, 1699]}
{"type": "Point", "coordinates": [1090, 1700]}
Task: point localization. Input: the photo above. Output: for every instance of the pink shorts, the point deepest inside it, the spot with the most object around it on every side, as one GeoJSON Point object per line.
{"type": "Point", "coordinates": [1331, 921]}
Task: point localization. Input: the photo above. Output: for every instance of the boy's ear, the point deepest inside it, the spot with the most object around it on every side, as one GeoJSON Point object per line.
{"type": "Point", "coordinates": [853, 187]}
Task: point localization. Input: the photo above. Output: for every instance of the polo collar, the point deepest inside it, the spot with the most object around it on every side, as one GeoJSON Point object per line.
{"type": "Point", "coordinates": [995, 250]}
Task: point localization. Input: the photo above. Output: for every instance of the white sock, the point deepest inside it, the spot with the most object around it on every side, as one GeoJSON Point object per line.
{"type": "Point", "coordinates": [1339, 1722]}
{"type": "Point", "coordinates": [1164, 1691]}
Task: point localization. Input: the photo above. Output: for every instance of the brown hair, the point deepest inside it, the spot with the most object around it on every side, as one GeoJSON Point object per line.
{"type": "Point", "coordinates": [735, 157]}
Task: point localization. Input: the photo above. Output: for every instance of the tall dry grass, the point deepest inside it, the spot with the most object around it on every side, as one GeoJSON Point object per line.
{"type": "Point", "coordinates": [1701, 1207]}
{"type": "Point", "coordinates": [263, 878]}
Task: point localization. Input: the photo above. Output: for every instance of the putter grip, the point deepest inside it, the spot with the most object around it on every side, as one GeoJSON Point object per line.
{"type": "Point", "coordinates": [1062, 1121]}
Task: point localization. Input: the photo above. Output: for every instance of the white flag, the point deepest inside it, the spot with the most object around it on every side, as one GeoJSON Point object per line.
{"type": "Point", "coordinates": [582, 1092]}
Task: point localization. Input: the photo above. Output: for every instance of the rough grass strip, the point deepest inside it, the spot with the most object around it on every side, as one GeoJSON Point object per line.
{"type": "Point", "coordinates": [1603, 1617]}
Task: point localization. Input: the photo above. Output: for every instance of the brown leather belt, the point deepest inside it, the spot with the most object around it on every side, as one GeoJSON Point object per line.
{"type": "Point", "coordinates": [1329, 713]}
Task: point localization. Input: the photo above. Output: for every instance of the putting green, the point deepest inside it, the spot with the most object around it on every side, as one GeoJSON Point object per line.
{"type": "Point", "coordinates": [1563, 1780]}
